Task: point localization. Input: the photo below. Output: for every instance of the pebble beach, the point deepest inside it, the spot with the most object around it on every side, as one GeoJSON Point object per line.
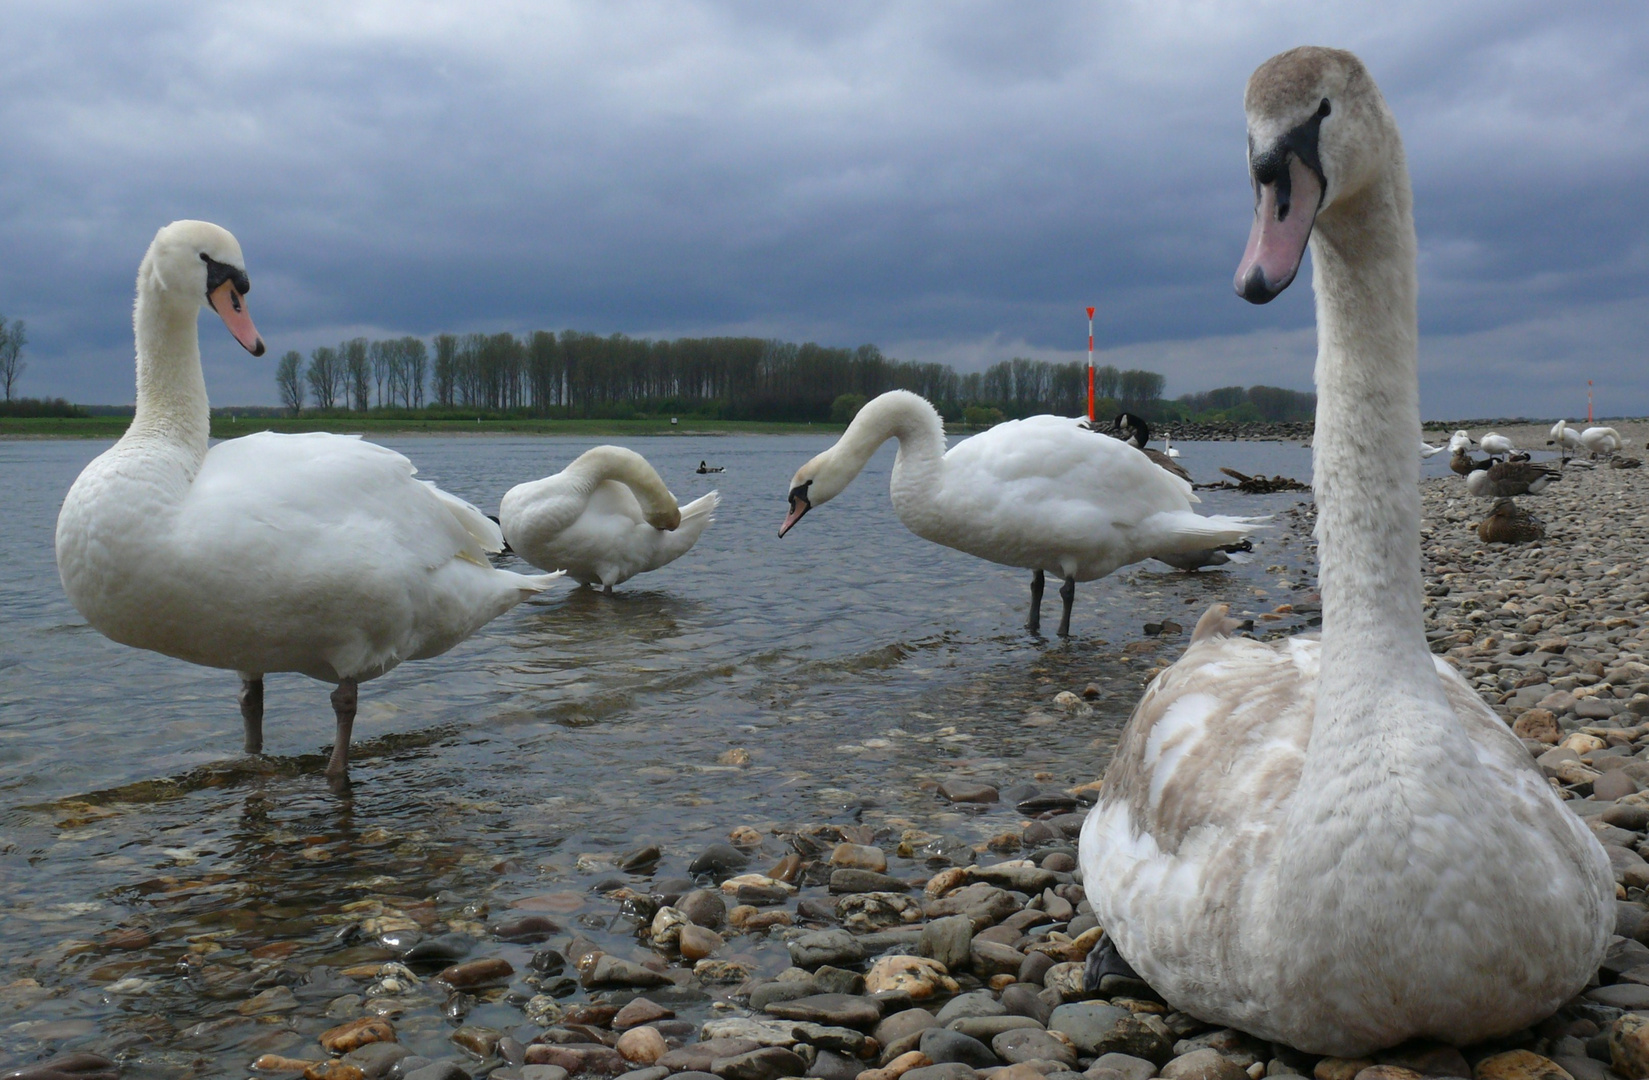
{"type": "Point", "coordinates": [871, 942]}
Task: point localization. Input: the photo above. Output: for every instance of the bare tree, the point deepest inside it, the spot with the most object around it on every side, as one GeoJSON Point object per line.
{"type": "Point", "coordinates": [289, 377]}
{"type": "Point", "coordinates": [325, 377]}
{"type": "Point", "coordinates": [357, 372]}
{"type": "Point", "coordinates": [12, 340]}
{"type": "Point", "coordinates": [414, 359]}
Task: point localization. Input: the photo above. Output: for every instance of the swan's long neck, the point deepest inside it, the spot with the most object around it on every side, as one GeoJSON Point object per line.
{"type": "Point", "coordinates": [171, 390]}
{"type": "Point", "coordinates": [632, 470]}
{"type": "Point", "coordinates": [1380, 705]}
{"type": "Point", "coordinates": [921, 434]}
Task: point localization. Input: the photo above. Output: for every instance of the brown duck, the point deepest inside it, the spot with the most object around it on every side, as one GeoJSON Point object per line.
{"type": "Point", "coordinates": [1509, 523]}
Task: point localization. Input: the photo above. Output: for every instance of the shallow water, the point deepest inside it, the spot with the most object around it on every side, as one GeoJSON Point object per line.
{"type": "Point", "coordinates": [852, 663]}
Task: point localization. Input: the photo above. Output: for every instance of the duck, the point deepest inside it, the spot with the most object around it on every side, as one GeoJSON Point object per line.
{"type": "Point", "coordinates": [1504, 479]}
{"type": "Point", "coordinates": [1464, 464]}
{"type": "Point", "coordinates": [1509, 523]}
{"type": "Point", "coordinates": [603, 519]}
{"type": "Point", "coordinates": [1040, 493]}
{"type": "Point", "coordinates": [705, 468]}
{"type": "Point", "coordinates": [316, 553]}
{"type": "Point", "coordinates": [1495, 445]}
{"type": "Point", "coordinates": [1215, 556]}
{"type": "Point", "coordinates": [1600, 441]}
{"type": "Point", "coordinates": [1334, 843]}
{"type": "Point", "coordinates": [1134, 431]}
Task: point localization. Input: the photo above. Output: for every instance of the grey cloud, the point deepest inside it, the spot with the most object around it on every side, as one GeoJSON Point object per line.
{"type": "Point", "coordinates": [952, 181]}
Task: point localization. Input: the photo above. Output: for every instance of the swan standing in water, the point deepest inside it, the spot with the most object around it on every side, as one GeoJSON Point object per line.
{"type": "Point", "coordinates": [1041, 493]}
{"type": "Point", "coordinates": [314, 553]}
{"type": "Point", "coordinates": [1336, 844]}
{"type": "Point", "coordinates": [603, 519]}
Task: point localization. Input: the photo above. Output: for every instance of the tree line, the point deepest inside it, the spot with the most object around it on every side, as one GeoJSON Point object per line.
{"type": "Point", "coordinates": [578, 374]}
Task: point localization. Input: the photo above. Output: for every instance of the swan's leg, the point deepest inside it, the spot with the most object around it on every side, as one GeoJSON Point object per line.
{"type": "Point", "coordinates": [1104, 960]}
{"type": "Point", "coordinates": [344, 699]}
{"type": "Point", "coordinates": [251, 712]}
{"type": "Point", "coordinates": [1067, 593]}
{"type": "Point", "coordinates": [607, 589]}
{"type": "Point", "coordinates": [1034, 623]}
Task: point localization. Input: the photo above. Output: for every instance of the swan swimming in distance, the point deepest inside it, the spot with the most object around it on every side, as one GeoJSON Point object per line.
{"type": "Point", "coordinates": [315, 553]}
{"type": "Point", "coordinates": [1335, 844]}
{"type": "Point", "coordinates": [603, 519]}
{"type": "Point", "coordinates": [1041, 493]}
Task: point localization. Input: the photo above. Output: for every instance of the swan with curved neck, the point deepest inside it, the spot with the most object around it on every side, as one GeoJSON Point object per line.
{"type": "Point", "coordinates": [1336, 844]}
{"type": "Point", "coordinates": [1043, 493]}
{"type": "Point", "coordinates": [315, 553]}
{"type": "Point", "coordinates": [603, 519]}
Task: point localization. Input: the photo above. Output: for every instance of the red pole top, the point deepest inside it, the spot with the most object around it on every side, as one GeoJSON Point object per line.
{"type": "Point", "coordinates": [1090, 313]}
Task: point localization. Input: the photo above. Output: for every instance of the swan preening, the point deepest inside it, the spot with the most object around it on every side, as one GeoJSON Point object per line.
{"type": "Point", "coordinates": [1041, 493]}
{"type": "Point", "coordinates": [315, 553]}
{"type": "Point", "coordinates": [1495, 445]}
{"type": "Point", "coordinates": [603, 519]}
{"type": "Point", "coordinates": [1337, 845]}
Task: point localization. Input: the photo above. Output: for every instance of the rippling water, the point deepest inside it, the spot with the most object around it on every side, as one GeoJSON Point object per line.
{"type": "Point", "coordinates": [852, 663]}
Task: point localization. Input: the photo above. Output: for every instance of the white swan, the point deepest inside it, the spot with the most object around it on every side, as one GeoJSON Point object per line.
{"type": "Point", "coordinates": [1601, 440]}
{"type": "Point", "coordinates": [1565, 436]}
{"type": "Point", "coordinates": [1460, 442]}
{"type": "Point", "coordinates": [1044, 493]}
{"type": "Point", "coordinates": [1495, 444]}
{"type": "Point", "coordinates": [1428, 450]}
{"type": "Point", "coordinates": [311, 553]}
{"type": "Point", "coordinates": [1337, 845]}
{"type": "Point", "coordinates": [604, 519]}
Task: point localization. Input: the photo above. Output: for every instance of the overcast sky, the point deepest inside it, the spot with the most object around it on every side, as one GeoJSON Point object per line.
{"type": "Point", "coordinates": [952, 181]}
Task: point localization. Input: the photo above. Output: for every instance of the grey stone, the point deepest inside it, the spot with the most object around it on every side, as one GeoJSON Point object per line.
{"type": "Point", "coordinates": [946, 940]}
{"type": "Point", "coordinates": [1204, 1064]}
{"type": "Point", "coordinates": [703, 908]}
{"type": "Point", "coordinates": [438, 1070]}
{"type": "Point", "coordinates": [1612, 785]}
{"type": "Point", "coordinates": [829, 1065]}
{"type": "Point", "coordinates": [1624, 954]}
{"type": "Point", "coordinates": [950, 1070]}
{"type": "Point", "coordinates": [700, 1056]}
{"type": "Point", "coordinates": [1021, 1000]}
{"type": "Point", "coordinates": [1033, 1044]}
{"type": "Point", "coordinates": [900, 1024]}
{"type": "Point", "coordinates": [1087, 1023]}
{"type": "Point", "coordinates": [864, 881]}
{"type": "Point", "coordinates": [990, 958]}
{"type": "Point", "coordinates": [839, 1010]}
{"type": "Point", "coordinates": [957, 789]}
{"type": "Point", "coordinates": [835, 947]}
{"type": "Point", "coordinates": [943, 1046]}
{"type": "Point", "coordinates": [840, 1040]}
{"type": "Point", "coordinates": [1627, 816]}
{"type": "Point", "coordinates": [977, 1003]}
{"type": "Point", "coordinates": [1131, 1068]}
{"type": "Point", "coordinates": [376, 1059]}
{"type": "Point", "coordinates": [835, 980]}
{"type": "Point", "coordinates": [1034, 967]}
{"type": "Point", "coordinates": [1025, 879]}
{"type": "Point", "coordinates": [1583, 1068]}
{"type": "Point", "coordinates": [1633, 997]}
{"type": "Point", "coordinates": [719, 860]}
{"type": "Point", "coordinates": [767, 1063]}
{"type": "Point", "coordinates": [787, 990]}
{"type": "Point", "coordinates": [613, 971]}
{"type": "Point", "coordinates": [986, 1028]}
{"type": "Point", "coordinates": [546, 1072]}
{"type": "Point", "coordinates": [982, 902]}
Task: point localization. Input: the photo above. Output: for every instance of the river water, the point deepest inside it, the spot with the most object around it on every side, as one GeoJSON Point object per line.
{"type": "Point", "coordinates": [831, 676]}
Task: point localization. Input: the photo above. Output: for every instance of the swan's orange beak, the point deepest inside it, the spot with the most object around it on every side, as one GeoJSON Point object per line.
{"type": "Point", "coordinates": [231, 308]}
{"type": "Point", "coordinates": [1283, 216]}
{"type": "Point", "coordinates": [798, 506]}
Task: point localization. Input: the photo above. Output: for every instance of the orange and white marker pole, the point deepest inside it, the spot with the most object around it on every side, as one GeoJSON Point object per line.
{"type": "Point", "coordinates": [1091, 416]}
{"type": "Point", "coordinates": [1588, 393]}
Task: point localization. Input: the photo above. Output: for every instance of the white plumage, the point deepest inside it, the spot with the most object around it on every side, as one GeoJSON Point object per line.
{"type": "Point", "coordinates": [1336, 844]}
{"type": "Point", "coordinates": [604, 519]}
{"type": "Point", "coordinates": [1601, 440]}
{"type": "Point", "coordinates": [1459, 442]}
{"type": "Point", "coordinates": [1044, 493]}
{"type": "Point", "coordinates": [319, 554]}
{"type": "Point", "coordinates": [1495, 445]}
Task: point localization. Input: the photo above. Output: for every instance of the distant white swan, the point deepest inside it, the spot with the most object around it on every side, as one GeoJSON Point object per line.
{"type": "Point", "coordinates": [1337, 845]}
{"type": "Point", "coordinates": [604, 519]}
{"type": "Point", "coordinates": [1565, 436]}
{"type": "Point", "coordinates": [315, 553]}
{"type": "Point", "coordinates": [1427, 449]}
{"type": "Point", "coordinates": [1043, 493]}
{"type": "Point", "coordinates": [1495, 445]}
{"type": "Point", "coordinates": [1601, 440]}
{"type": "Point", "coordinates": [1459, 442]}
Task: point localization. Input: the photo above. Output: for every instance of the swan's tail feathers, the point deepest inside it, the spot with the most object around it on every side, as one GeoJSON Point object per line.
{"type": "Point", "coordinates": [531, 584]}
{"type": "Point", "coordinates": [1216, 622]}
{"type": "Point", "coordinates": [704, 506]}
{"type": "Point", "coordinates": [1186, 530]}
{"type": "Point", "coordinates": [482, 528]}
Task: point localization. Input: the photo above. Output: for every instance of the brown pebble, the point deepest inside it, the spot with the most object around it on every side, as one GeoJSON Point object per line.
{"type": "Point", "coordinates": [744, 836]}
{"type": "Point", "coordinates": [333, 1070]}
{"type": "Point", "coordinates": [1337, 1068]}
{"type": "Point", "coordinates": [1389, 1072]}
{"type": "Point", "coordinates": [640, 1011]}
{"type": "Point", "coordinates": [641, 1046]}
{"type": "Point", "coordinates": [355, 1034]}
{"type": "Point", "coordinates": [1519, 1065]}
{"type": "Point", "coordinates": [1059, 862]}
{"type": "Point", "coordinates": [696, 942]}
{"type": "Point", "coordinates": [277, 1063]}
{"type": "Point", "coordinates": [476, 972]}
{"type": "Point", "coordinates": [131, 937]}
{"type": "Point", "coordinates": [1539, 725]}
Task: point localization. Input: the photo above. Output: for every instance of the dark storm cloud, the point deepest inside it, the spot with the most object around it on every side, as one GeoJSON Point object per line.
{"type": "Point", "coordinates": [953, 181]}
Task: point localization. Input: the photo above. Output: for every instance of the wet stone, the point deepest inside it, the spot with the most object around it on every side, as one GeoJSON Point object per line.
{"type": "Point", "coordinates": [1034, 1044]}
{"type": "Point", "coordinates": [1519, 1065]}
{"type": "Point", "coordinates": [1022, 1000]}
{"type": "Point", "coordinates": [653, 1072]}
{"type": "Point", "coordinates": [835, 947]}
{"type": "Point", "coordinates": [951, 1070]}
{"type": "Point", "coordinates": [641, 1045]}
{"type": "Point", "coordinates": [355, 1034]}
{"type": "Point", "coordinates": [703, 907]}
{"type": "Point", "coordinates": [835, 980]}
{"type": "Point", "coordinates": [1089, 1025]}
{"type": "Point", "coordinates": [79, 1065]}
{"type": "Point", "coordinates": [699, 1057]}
{"type": "Point", "coordinates": [976, 1003]}
{"type": "Point", "coordinates": [491, 969]}
{"type": "Point", "coordinates": [768, 1063]}
{"type": "Point", "coordinates": [377, 1058]}
{"type": "Point", "coordinates": [614, 971]}
{"type": "Point", "coordinates": [864, 881]}
{"type": "Point", "coordinates": [438, 952]}
{"type": "Point", "coordinates": [903, 1023]}
{"type": "Point", "coordinates": [829, 1065]}
{"type": "Point", "coordinates": [987, 1028]}
{"type": "Point", "coordinates": [787, 990]}
{"type": "Point", "coordinates": [838, 1010]}
{"type": "Point", "coordinates": [480, 1041]}
{"type": "Point", "coordinates": [990, 958]}
{"type": "Point", "coordinates": [967, 791]}
{"type": "Point", "coordinates": [333, 1070]}
{"type": "Point", "coordinates": [986, 905]}
{"type": "Point", "coordinates": [543, 1072]}
{"type": "Point", "coordinates": [437, 1070]}
{"type": "Point", "coordinates": [946, 940]}
{"type": "Point", "coordinates": [719, 859]}
{"type": "Point", "coordinates": [525, 929]}
{"type": "Point", "coordinates": [942, 1046]}
{"type": "Point", "coordinates": [640, 1011]}
{"type": "Point", "coordinates": [697, 942]}
{"type": "Point", "coordinates": [1203, 1064]}
{"type": "Point", "coordinates": [918, 977]}
{"type": "Point", "coordinates": [859, 857]}
{"type": "Point", "coordinates": [275, 999]}
{"type": "Point", "coordinates": [639, 859]}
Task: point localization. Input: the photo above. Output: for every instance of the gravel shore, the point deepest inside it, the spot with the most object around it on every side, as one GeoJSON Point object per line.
{"type": "Point", "coordinates": [868, 948]}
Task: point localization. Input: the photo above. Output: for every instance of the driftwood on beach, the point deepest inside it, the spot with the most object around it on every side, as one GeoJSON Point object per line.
{"type": "Point", "coordinates": [1259, 484]}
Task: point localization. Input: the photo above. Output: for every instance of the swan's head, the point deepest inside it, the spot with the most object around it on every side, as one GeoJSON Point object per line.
{"type": "Point", "coordinates": [1318, 133]}
{"type": "Point", "coordinates": [196, 264]}
{"type": "Point", "coordinates": [815, 484]}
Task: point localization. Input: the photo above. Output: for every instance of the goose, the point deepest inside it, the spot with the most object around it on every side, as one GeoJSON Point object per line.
{"type": "Point", "coordinates": [1495, 445]}
{"type": "Point", "coordinates": [1040, 493]}
{"type": "Point", "coordinates": [603, 519]}
{"type": "Point", "coordinates": [1601, 440]}
{"type": "Point", "coordinates": [1215, 556]}
{"type": "Point", "coordinates": [1459, 441]}
{"type": "Point", "coordinates": [1565, 437]}
{"type": "Point", "coordinates": [314, 553]}
{"type": "Point", "coordinates": [1137, 433]}
{"type": "Point", "coordinates": [1509, 523]}
{"type": "Point", "coordinates": [1504, 479]}
{"type": "Point", "coordinates": [1464, 464]}
{"type": "Point", "coordinates": [704, 468]}
{"type": "Point", "coordinates": [1335, 844]}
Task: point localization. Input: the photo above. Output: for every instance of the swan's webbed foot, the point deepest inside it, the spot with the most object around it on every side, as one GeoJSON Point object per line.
{"type": "Point", "coordinates": [607, 590]}
{"type": "Point", "coordinates": [344, 700]}
{"type": "Point", "coordinates": [1034, 623]}
{"type": "Point", "coordinates": [1067, 593]}
{"type": "Point", "coordinates": [251, 712]}
{"type": "Point", "coordinates": [1103, 960]}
